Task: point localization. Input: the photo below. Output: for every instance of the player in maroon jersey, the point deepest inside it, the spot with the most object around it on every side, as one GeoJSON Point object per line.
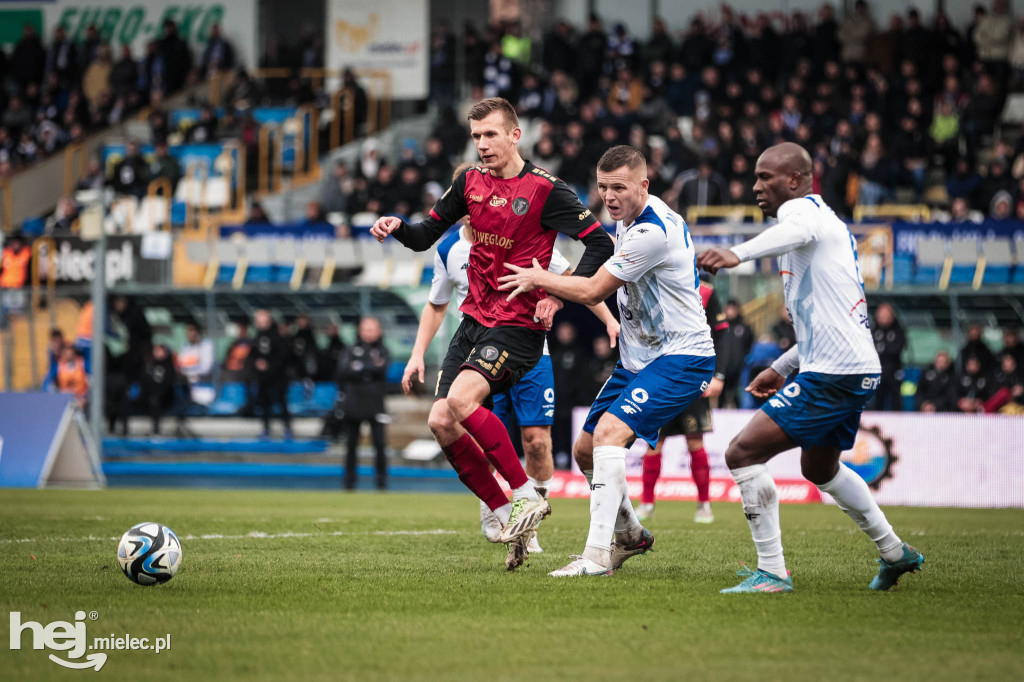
{"type": "Point", "coordinates": [693, 422]}
{"type": "Point", "coordinates": [516, 211]}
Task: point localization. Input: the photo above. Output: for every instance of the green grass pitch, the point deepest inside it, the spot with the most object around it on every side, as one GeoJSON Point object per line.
{"type": "Point", "coordinates": [309, 586]}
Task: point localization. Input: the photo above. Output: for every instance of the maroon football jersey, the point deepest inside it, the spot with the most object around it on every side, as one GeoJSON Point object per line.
{"type": "Point", "coordinates": [513, 220]}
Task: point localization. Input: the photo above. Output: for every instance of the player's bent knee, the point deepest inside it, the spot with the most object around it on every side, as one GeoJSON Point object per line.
{"type": "Point", "coordinates": [611, 430]}
{"type": "Point", "coordinates": [441, 423]}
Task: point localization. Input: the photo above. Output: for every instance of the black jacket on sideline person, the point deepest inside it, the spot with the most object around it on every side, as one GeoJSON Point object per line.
{"type": "Point", "coordinates": [267, 365]}
{"type": "Point", "coordinates": [937, 389]}
{"type": "Point", "coordinates": [362, 380]}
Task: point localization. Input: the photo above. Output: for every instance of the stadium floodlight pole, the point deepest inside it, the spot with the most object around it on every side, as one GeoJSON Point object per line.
{"type": "Point", "coordinates": [99, 310]}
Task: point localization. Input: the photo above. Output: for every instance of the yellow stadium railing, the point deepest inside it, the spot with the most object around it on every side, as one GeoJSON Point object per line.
{"type": "Point", "coordinates": [737, 213]}
{"type": "Point", "coordinates": [71, 177]}
{"type": "Point", "coordinates": [913, 212]}
{"type": "Point", "coordinates": [270, 159]}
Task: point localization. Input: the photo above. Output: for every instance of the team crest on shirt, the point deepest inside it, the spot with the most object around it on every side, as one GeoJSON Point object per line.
{"type": "Point", "coordinates": [498, 202]}
{"type": "Point", "coordinates": [520, 206]}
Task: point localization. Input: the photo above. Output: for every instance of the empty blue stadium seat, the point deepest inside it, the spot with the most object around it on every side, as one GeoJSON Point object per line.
{"type": "Point", "coordinates": [260, 274]}
{"type": "Point", "coordinates": [232, 398]}
{"type": "Point", "coordinates": [1018, 273]}
{"type": "Point", "coordinates": [997, 274]}
{"type": "Point", "coordinates": [296, 397]}
{"type": "Point", "coordinates": [283, 273]}
{"type": "Point", "coordinates": [927, 274]}
{"type": "Point", "coordinates": [903, 268]}
{"type": "Point", "coordinates": [962, 274]}
{"type": "Point", "coordinates": [225, 274]}
{"type": "Point", "coordinates": [325, 394]}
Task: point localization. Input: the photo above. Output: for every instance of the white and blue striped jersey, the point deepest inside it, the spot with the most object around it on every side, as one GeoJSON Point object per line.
{"type": "Point", "coordinates": [824, 289]}
{"type": "Point", "coordinates": [660, 306]}
{"type": "Point", "coordinates": [451, 262]}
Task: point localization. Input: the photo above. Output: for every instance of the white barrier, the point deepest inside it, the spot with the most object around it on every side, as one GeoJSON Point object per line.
{"type": "Point", "coordinates": [933, 460]}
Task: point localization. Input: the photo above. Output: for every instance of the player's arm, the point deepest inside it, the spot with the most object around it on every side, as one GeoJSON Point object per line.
{"type": "Point", "coordinates": [791, 233]}
{"type": "Point", "coordinates": [441, 289]}
{"type": "Point", "coordinates": [642, 249]}
{"type": "Point", "coordinates": [420, 236]}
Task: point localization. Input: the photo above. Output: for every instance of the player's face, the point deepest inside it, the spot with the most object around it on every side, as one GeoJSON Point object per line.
{"type": "Point", "coordinates": [771, 187]}
{"type": "Point", "coordinates": [624, 192]}
{"type": "Point", "coordinates": [495, 145]}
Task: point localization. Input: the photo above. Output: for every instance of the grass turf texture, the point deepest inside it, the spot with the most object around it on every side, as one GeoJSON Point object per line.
{"type": "Point", "coordinates": [356, 601]}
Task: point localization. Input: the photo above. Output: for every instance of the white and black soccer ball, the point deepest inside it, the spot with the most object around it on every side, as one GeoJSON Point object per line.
{"type": "Point", "coordinates": [149, 553]}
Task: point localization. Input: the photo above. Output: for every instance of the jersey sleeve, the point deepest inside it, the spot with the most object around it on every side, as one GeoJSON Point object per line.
{"type": "Point", "coordinates": [559, 264]}
{"type": "Point", "coordinates": [563, 212]}
{"type": "Point", "coordinates": [447, 211]}
{"type": "Point", "coordinates": [441, 285]}
{"type": "Point", "coordinates": [644, 247]}
{"type": "Point", "coordinates": [794, 230]}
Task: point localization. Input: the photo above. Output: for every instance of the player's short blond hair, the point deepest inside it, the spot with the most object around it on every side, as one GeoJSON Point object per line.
{"type": "Point", "coordinates": [486, 107]}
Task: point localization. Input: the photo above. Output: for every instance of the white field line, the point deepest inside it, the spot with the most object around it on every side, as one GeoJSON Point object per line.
{"type": "Point", "coordinates": [251, 535]}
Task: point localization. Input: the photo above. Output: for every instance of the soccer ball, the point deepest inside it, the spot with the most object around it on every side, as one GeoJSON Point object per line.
{"type": "Point", "coordinates": [149, 553]}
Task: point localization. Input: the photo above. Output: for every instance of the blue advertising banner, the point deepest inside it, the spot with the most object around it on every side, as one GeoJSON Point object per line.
{"type": "Point", "coordinates": [906, 235]}
{"type": "Point", "coordinates": [186, 154]}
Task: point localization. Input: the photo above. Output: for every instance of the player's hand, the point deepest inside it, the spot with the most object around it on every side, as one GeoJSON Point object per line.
{"type": "Point", "coordinates": [546, 309]}
{"type": "Point", "coordinates": [613, 329]}
{"type": "Point", "coordinates": [521, 280]}
{"type": "Point", "coordinates": [715, 388]}
{"type": "Point", "coordinates": [414, 366]}
{"type": "Point", "coordinates": [713, 259]}
{"type": "Point", "coordinates": [385, 226]}
{"type": "Point", "coordinates": [766, 384]}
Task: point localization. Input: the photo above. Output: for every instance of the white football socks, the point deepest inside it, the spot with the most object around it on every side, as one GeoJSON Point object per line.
{"type": "Point", "coordinates": [606, 492]}
{"type": "Point", "coordinates": [852, 495]}
{"type": "Point", "coordinates": [525, 491]}
{"type": "Point", "coordinates": [761, 506]}
{"type": "Point", "coordinates": [503, 513]}
{"type": "Point", "coordinates": [542, 487]}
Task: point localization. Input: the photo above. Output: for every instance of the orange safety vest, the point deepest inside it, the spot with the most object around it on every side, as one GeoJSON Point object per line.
{"type": "Point", "coordinates": [84, 329]}
{"type": "Point", "coordinates": [15, 268]}
{"type": "Point", "coordinates": [71, 378]}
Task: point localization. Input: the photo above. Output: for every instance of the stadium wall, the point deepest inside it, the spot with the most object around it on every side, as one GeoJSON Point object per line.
{"type": "Point", "coordinates": [914, 459]}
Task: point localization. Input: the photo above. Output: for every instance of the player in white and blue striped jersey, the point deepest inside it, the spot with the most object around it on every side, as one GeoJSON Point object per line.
{"type": "Point", "coordinates": [819, 410]}
{"type": "Point", "coordinates": [667, 358]}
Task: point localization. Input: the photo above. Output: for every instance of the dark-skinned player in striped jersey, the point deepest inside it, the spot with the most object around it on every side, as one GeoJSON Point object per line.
{"type": "Point", "coordinates": [516, 211]}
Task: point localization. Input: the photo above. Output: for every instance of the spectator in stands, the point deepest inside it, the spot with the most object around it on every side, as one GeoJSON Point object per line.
{"type": "Point", "coordinates": [94, 177]}
{"type": "Point", "coordinates": [72, 377]}
{"type": "Point", "coordinates": [975, 387]}
{"type": "Point", "coordinates": [28, 60]}
{"type": "Point", "coordinates": [159, 383]}
{"type": "Point", "coordinates": [131, 174]}
{"type": "Point", "coordinates": [1007, 386]}
{"type": "Point", "coordinates": [890, 341]}
{"type": "Point", "coordinates": [442, 65]}
{"type": "Point", "coordinates": [1013, 345]}
{"type": "Point", "coordinates": [196, 357]}
{"type": "Point", "coordinates": [116, 399]}
{"type": "Point", "coordinates": [237, 354]}
{"type": "Point", "coordinates": [737, 340]}
{"type": "Point", "coordinates": [313, 214]}
{"type": "Point", "coordinates": [54, 351]}
{"type": "Point", "coordinates": [164, 165]}
{"type": "Point", "coordinates": [64, 217]}
{"type": "Point", "coordinates": [703, 187]}
{"type": "Point", "coordinates": [937, 388]}
{"type": "Point", "coordinates": [568, 362]}
{"type": "Point", "coordinates": [177, 58]}
{"type": "Point", "coordinates": [205, 129]}
{"type": "Point", "coordinates": [219, 55]}
{"type": "Point", "coordinates": [330, 356]}
{"type": "Point", "coordinates": [257, 215]}
{"type": "Point", "coordinates": [598, 368]}
{"type": "Point", "coordinates": [305, 353]}
{"type": "Point", "coordinates": [96, 81]}
{"type": "Point", "coordinates": [124, 75]}
{"type": "Point", "coordinates": [267, 365]}
{"type": "Point", "coordinates": [337, 188]}
{"type": "Point", "coordinates": [18, 117]}
{"type": "Point", "coordinates": [62, 59]}
{"type": "Point", "coordinates": [140, 333]}
{"type": "Point", "coordinates": [855, 32]}
{"type": "Point", "coordinates": [993, 36]}
{"type": "Point", "coordinates": [976, 348]}
{"type": "Point", "coordinates": [362, 380]}
{"type": "Point", "coordinates": [785, 334]}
